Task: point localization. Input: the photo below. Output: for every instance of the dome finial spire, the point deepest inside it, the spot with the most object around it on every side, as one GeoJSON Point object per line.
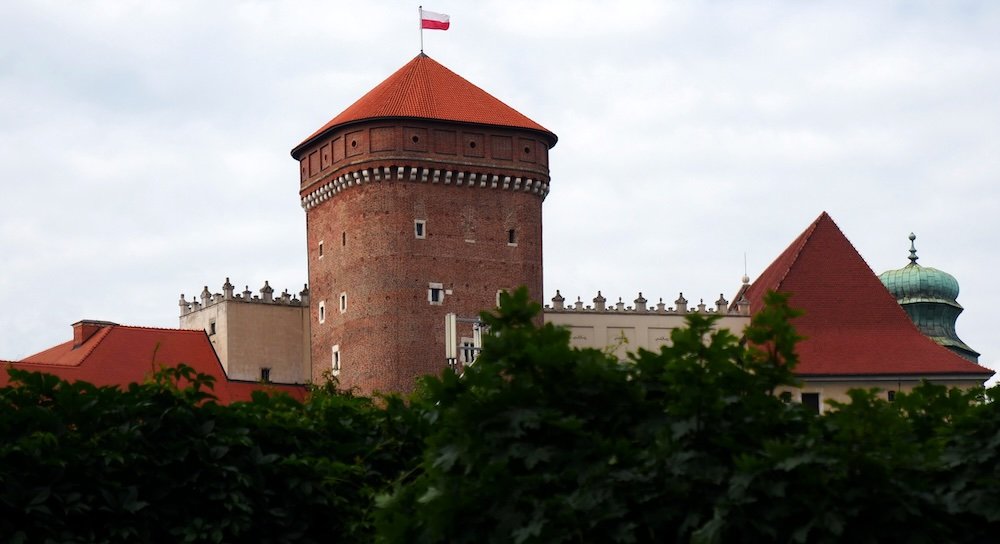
{"type": "Point", "coordinates": [913, 249]}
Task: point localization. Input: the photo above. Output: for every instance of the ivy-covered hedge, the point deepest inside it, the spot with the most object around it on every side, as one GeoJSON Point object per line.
{"type": "Point", "coordinates": [536, 442]}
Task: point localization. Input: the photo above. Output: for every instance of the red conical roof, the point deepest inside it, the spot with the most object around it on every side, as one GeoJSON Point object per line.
{"type": "Point", "coordinates": [852, 325]}
{"type": "Point", "coordinates": [425, 89]}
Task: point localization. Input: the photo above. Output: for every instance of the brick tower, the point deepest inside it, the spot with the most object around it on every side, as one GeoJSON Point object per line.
{"type": "Point", "coordinates": [422, 198]}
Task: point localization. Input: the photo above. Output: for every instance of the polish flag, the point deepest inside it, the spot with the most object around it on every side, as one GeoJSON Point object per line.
{"type": "Point", "coordinates": [434, 21]}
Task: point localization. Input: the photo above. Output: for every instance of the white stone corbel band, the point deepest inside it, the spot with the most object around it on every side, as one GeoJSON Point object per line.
{"type": "Point", "coordinates": [419, 174]}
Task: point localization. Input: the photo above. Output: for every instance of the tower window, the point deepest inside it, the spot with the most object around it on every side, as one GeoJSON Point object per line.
{"type": "Point", "coordinates": [320, 249]}
{"type": "Point", "coordinates": [435, 293]}
{"type": "Point", "coordinates": [343, 302]}
{"type": "Point", "coordinates": [511, 237]}
{"type": "Point", "coordinates": [211, 327]}
{"type": "Point", "coordinates": [265, 374]}
{"type": "Point", "coordinates": [343, 238]}
{"type": "Point", "coordinates": [322, 311]}
{"type": "Point", "coordinates": [420, 228]}
{"type": "Point", "coordinates": [335, 360]}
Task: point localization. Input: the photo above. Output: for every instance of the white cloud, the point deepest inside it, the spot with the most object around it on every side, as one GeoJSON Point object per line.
{"type": "Point", "coordinates": [144, 144]}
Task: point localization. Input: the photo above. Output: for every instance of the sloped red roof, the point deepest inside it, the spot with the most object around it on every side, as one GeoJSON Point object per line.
{"type": "Point", "coordinates": [119, 355]}
{"type": "Point", "coordinates": [424, 89]}
{"type": "Point", "coordinates": [852, 325]}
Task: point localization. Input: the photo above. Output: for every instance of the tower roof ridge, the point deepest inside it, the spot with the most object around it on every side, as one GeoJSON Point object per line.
{"type": "Point", "coordinates": [425, 89]}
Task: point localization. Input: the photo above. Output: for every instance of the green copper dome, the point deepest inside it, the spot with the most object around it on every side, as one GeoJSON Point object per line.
{"type": "Point", "coordinates": [915, 283]}
{"type": "Point", "coordinates": [930, 297]}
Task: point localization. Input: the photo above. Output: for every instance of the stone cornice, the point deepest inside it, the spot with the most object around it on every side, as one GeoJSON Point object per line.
{"type": "Point", "coordinates": [418, 174]}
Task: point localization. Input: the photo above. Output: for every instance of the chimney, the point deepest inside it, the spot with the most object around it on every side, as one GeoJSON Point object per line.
{"type": "Point", "coordinates": [85, 328]}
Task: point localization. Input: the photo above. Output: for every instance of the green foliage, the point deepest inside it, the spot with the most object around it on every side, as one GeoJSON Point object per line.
{"type": "Point", "coordinates": [162, 462]}
{"type": "Point", "coordinates": [535, 443]}
{"type": "Point", "coordinates": [538, 442]}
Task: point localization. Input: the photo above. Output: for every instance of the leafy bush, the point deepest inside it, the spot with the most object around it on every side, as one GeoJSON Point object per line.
{"type": "Point", "coordinates": [161, 463]}
{"type": "Point", "coordinates": [537, 442]}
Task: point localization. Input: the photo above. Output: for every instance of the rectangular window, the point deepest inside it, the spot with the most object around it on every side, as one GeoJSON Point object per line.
{"type": "Point", "coordinates": [343, 302]}
{"type": "Point", "coordinates": [211, 327]}
{"type": "Point", "coordinates": [265, 374]}
{"type": "Point", "coordinates": [511, 237]}
{"type": "Point", "coordinates": [811, 401]}
{"type": "Point", "coordinates": [343, 238]}
{"type": "Point", "coordinates": [335, 362]}
{"type": "Point", "coordinates": [420, 228]}
{"type": "Point", "coordinates": [435, 293]}
{"type": "Point", "coordinates": [468, 351]}
{"type": "Point", "coordinates": [891, 395]}
{"type": "Point", "coordinates": [322, 311]}
{"type": "Point", "coordinates": [320, 249]}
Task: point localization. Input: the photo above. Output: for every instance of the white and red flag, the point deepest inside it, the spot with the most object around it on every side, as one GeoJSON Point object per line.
{"type": "Point", "coordinates": [434, 21]}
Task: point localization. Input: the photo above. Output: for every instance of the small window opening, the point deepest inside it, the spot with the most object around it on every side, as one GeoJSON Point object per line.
{"type": "Point", "coordinates": [211, 327]}
{"type": "Point", "coordinates": [321, 249]}
{"type": "Point", "coordinates": [511, 237]}
{"type": "Point", "coordinates": [527, 150]}
{"type": "Point", "coordinates": [343, 238]}
{"type": "Point", "coordinates": [472, 145]}
{"type": "Point", "coordinates": [265, 374]}
{"type": "Point", "coordinates": [415, 139]}
{"type": "Point", "coordinates": [343, 302]}
{"type": "Point", "coordinates": [811, 401]}
{"type": "Point", "coordinates": [420, 228]}
{"type": "Point", "coordinates": [435, 293]}
{"type": "Point", "coordinates": [335, 361]}
{"type": "Point", "coordinates": [354, 143]}
{"type": "Point", "coordinates": [891, 396]}
{"type": "Point", "coordinates": [322, 311]}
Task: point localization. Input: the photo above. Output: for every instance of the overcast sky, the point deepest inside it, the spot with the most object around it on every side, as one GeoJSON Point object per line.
{"type": "Point", "coordinates": [144, 145]}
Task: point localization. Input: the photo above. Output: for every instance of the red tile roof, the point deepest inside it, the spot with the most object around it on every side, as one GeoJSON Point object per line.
{"type": "Point", "coordinates": [424, 89]}
{"type": "Point", "coordinates": [119, 355]}
{"type": "Point", "coordinates": [852, 325]}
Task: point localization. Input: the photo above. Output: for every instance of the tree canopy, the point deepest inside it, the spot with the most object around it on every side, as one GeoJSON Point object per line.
{"type": "Point", "coordinates": [535, 442]}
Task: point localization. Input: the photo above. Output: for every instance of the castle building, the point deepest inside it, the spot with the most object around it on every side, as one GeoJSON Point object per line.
{"type": "Point", "coordinates": [423, 202]}
{"type": "Point", "coordinates": [109, 354]}
{"type": "Point", "coordinates": [423, 198]}
{"type": "Point", "coordinates": [855, 333]}
{"type": "Point", "coordinates": [257, 337]}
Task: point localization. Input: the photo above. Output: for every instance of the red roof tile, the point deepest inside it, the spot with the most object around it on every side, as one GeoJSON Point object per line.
{"type": "Point", "coordinates": [119, 355]}
{"type": "Point", "coordinates": [424, 89]}
{"type": "Point", "coordinates": [852, 325]}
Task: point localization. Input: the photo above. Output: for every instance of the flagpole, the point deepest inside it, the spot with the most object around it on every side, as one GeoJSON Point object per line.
{"type": "Point", "coordinates": [420, 23]}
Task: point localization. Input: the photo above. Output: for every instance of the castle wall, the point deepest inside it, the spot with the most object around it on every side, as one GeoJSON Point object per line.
{"type": "Point", "coordinates": [619, 329]}
{"type": "Point", "coordinates": [251, 333]}
{"type": "Point", "coordinates": [836, 388]}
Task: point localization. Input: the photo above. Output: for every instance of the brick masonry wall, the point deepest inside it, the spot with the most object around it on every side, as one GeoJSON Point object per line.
{"type": "Point", "coordinates": [390, 333]}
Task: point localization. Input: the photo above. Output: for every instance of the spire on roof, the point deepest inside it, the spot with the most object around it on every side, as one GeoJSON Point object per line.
{"type": "Point", "coordinates": [913, 250]}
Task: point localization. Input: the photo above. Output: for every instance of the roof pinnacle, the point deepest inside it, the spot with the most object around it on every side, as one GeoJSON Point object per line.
{"type": "Point", "coordinates": [913, 250]}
